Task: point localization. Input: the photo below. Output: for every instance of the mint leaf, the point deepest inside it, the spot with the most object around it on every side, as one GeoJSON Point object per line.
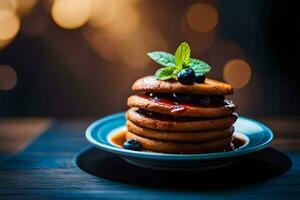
{"type": "Point", "coordinates": [182, 54]}
{"type": "Point", "coordinates": [200, 67]}
{"type": "Point", "coordinates": [181, 60]}
{"type": "Point", "coordinates": [165, 73]}
{"type": "Point", "coordinates": [163, 58]}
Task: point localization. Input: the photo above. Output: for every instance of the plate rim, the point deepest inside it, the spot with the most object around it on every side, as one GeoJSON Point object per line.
{"type": "Point", "coordinates": [167, 156]}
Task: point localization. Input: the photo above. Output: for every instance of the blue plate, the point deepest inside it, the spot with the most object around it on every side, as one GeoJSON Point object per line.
{"type": "Point", "coordinates": [256, 135]}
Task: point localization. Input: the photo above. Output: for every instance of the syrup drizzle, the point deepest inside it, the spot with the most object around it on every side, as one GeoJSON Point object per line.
{"type": "Point", "coordinates": [177, 107]}
{"type": "Point", "coordinates": [174, 106]}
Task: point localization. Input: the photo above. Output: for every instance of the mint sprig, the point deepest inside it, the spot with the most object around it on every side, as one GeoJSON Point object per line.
{"type": "Point", "coordinates": [173, 64]}
{"type": "Point", "coordinates": [199, 66]}
{"type": "Point", "coordinates": [182, 54]}
{"type": "Point", "coordinates": [163, 58]}
{"type": "Point", "coordinates": [165, 73]}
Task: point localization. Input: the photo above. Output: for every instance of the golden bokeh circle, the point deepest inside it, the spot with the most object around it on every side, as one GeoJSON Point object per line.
{"type": "Point", "coordinates": [237, 72]}
{"type": "Point", "coordinates": [8, 77]}
{"type": "Point", "coordinates": [4, 43]}
{"type": "Point", "coordinates": [103, 13]}
{"type": "Point", "coordinates": [9, 24]}
{"type": "Point", "coordinates": [71, 14]}
{"type": "Point", "coordinates": [125, 23]}
{"type": "Point", "coordinates": [202, 17]}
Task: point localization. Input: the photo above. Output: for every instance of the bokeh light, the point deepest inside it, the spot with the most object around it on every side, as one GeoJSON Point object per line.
{"type": "Point", "coordinates": [202, 17]}
{"type": "Point", "coordinates": [119, 17]}
{"type": "Point", "coordinates": [126, 22]}
{"type": "Point", "coordinates": [220, 52]}
{"type": "Point", "coordinates": [103, 43]}
{"type": "Point", "coordinates": [8, 77]}
{"type": "Point", "coordinates": [141, 42]}
{"type": "Point", "coordinates": [24, 7]}
{"type": "Point", "coordinates": [71, 14]}
{"type": "Point", "coordinates": [138, 51]}
{"type": "Point", "coordinates": [237, 72]}
{"type": "Point", "coordinates": [4, 43]}
{"type": "Point", "coordinates": [8, 5]}
{"type": "Point", "coordinates": [9, 24]}
{"type": "Point", "coordinates": [199, 42]}
{"type": "Point", "coordinates": [102, 13]}
{"type": "Point", "coordinates": [116, 36]}
{"type": "Point", "coordinates": [154, 40]}
{"type": "Point", "coordinates": [131, 52]}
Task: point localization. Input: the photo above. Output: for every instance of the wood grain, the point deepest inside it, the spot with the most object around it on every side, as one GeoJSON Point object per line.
{"type": "Point", "coordinates": [46, 169]}
{"type": "Point", "coordinates": [16, 134]}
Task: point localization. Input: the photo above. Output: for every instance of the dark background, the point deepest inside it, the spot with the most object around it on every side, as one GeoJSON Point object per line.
{"type": "Point", "coordinates": [61, 74]}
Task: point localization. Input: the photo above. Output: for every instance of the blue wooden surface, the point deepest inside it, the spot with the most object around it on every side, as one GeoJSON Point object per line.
{"type": "Point", "coordinates": [47, 169]}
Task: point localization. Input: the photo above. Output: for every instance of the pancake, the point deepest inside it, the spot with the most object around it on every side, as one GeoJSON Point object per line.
{"type": "Point", "coordinates": [189, 110]}
{"type": "Point", "coordinates": [180, 124]}
{"type": "Point", "coordinates": [210, 87]}
{"type": "Point", "coordinates": [180, 147]}
{"type": "Point", "coordinates": [197, 136]}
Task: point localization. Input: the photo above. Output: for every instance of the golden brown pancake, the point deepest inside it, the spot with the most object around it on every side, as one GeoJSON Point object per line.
{"type": "Point", "coordinates": [189, 111]}
{"type": "Point", "coordinates": [209, 87]}
{"type": "Point", "coordinates": [184, 136]}
{"type": "Point", "coordinates": [159, 124]}
{"type": "Point", "coordinates": [180, 147]}
{"type": "Point", "coordinates": [188, 124]}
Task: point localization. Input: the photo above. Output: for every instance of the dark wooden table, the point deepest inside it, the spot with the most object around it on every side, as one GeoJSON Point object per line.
{"type": "Point", "coordinates": [47, 168]}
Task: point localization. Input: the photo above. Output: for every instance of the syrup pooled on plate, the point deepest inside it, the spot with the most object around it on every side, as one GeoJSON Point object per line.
{"type": "Point", "coordinates": [119, 138]}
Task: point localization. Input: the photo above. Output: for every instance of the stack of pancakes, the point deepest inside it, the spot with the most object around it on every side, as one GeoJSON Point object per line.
{"type": "Point", "coordinates": [201, 120]}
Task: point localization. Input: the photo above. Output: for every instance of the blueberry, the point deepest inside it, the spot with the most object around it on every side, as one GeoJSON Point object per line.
{"type": "Point", "coordinates": [204, 101]}
{"type": "Point", "coordinates": [132, 144]}
{"type": "Point", "coordinates": [182, 97]}
{"type": "Point", "coordinates": [186, 76]}
{"type": "Point", "coordinates": [200, 79]}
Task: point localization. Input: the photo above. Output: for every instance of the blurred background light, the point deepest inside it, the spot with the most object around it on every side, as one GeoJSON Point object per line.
{"type": "Point", "coordinates": [237, 72]}
{"type": "Point", "coordinates": [8, 5]}
{"type": "Point", "coordinates": [199, 42]}
{"type": "Point", "coordinates": [24, 7]}
{"type": "Point", "coordinates": [220, 52]}
{"type": "Point", "coordinates": [8, 77]}
{"type": "Point", "coordinates": [126, 22]}
{"type": "Point", "coordinates": [130, 51]}
{"type": "Point", "coordinates": [102, 12]}
{"type": "Point", "coordinates": [154, 40]}
{"type": "Point", "coordinates": [4, 43]}
{"type": "Point", "coordinates": [9, 24]}
{"type": "Point", "coordinates": [103, 44]}
{"type": "Point", "coordinates": [71, 14]}
{"type": "Point", "coordinates": [134, 49]}
{"type": "Point", "coordinates": [202, 17]}
{"type": "Point", "coordinates": [110, 47]}
{"type": "Point", "coordinates": [118, 34]}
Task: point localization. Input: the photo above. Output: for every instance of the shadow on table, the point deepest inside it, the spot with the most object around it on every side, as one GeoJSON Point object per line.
{"type": "Point", "coordinates": [245, 170]}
